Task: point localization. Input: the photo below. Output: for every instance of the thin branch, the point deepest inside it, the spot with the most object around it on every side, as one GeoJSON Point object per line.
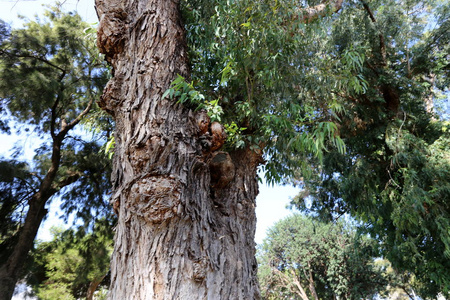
{"type": "Point", "coordinates": [369, 11]}
{"type": "Point", "coordinates": [34, 57]}
{"type": "Point", "coordinates": [309, 14]}
{"type": "Point", "coordinates": [380, 35]}
{"type": "Point", "coordinates": [312, 288]}
{"type": "Point", "coordinates": [287, 281]}
{"type": "Point", "coordinates": [77, 120]}
{"type": "Point", "coordinates": [404, 288]}
{"type": "Point", "coordinates": [53, 116]}
{"type": "Point", "coordinates": [298, 284]}
{"type": "Point", "coordinates": [67, 181]}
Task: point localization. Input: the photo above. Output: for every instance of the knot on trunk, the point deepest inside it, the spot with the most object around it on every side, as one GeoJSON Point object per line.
{"type": "Point", "coordinates": [202, 119]}
{"type": "Point", "coordinates": [212, 136]}
{"type": "Point", "coordinates": [109, 100]}
{"type": "Point", "coordinates": [111, 33]}
{"type": "Point", "coordinates": [222, 170]}
{"type": "Point", "coordinates": [155, 199]}
{"type": "Point", "coordinates": [199, 270]}
{"type": "Point", "coordinates": [219, 136]}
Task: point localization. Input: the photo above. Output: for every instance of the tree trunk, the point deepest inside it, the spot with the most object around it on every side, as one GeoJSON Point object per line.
{"type": "Point", "coordinates": [11, 269]}
{"type": "Point", "coordinates": [312, 287]}
{"type": "Point", "coordinates": [93, 285]}
{"type": "Point", "coordinates": [186, 214]}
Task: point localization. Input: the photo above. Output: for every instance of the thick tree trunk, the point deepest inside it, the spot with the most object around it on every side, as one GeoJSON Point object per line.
{"type": "Point", "coordinates": [186, 215]}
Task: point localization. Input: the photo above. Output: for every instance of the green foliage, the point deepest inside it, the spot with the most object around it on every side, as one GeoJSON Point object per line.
{"type": "Point", "coordinates": [400, 283]}
{"type": "Point", "coordinates": [300, 251]}
{"type": "Point", "coordinates": [257, 59]}
{"type": "Point", "coordinates": [50, 77]}
{"type": "Point", "coordinates": [50, 71]}
{"type": "Point", "coordinates": [234, 135]}
{"type": "Point", "coordinates": [17, 183]}
{"type": "Point", "coordinates": [86, 197]}
{"type": "Point", "coordinates": [109, 147]}
{"type": "Point", "coordinates": [72, 262]}
{"type": "Point", "coordinates": [395, 175]}
{"type": "Point", "coordinates": [343, 106]}
{"type": "Point", "coordinates": [49, 63]}
{"type": "Point", "coordinates": [185, 92]}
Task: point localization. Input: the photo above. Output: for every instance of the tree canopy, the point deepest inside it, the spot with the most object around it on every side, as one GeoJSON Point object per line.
{"type": "Point", "coordinates": [310, 259]}
{"type": "Point", "coordinates": [258, 62]}
{"type": "Point", "coordinates": [73, 264]}
{"type": "Point", "coordinates": [394, 177]}
{"type": "Point", "coordinates": [50, 78]}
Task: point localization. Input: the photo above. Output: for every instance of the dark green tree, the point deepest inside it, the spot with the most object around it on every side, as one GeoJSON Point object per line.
{"type": "Point", "coordinates": [50, 78]}
{"type": "Point", "coordinates": [395, 175]}
{"type": "Point", "coordinates": [308, 259]}
{"type": "Point", "coordinates": [73, 265]}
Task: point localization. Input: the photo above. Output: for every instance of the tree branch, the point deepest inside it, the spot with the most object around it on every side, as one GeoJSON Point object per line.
{"type": "Point", "coordinates": [312, 288]}
{"type": "Point", "coordinates": [287, 281]}
{"type": "Point", "coordinates": [34, 57]}
{"type": "Point", "coordinates": [380, 35]}
{"type": "Point", "coordinates": [309, 14]}
{"type": "Point", "coordinates": [53, 117]}
{"type": "Point", "coordinates": [67, 181]}
{"type": "Point", "coordinates": [66, 127]}
{"type": "Point", "coordinates": [298, 284]}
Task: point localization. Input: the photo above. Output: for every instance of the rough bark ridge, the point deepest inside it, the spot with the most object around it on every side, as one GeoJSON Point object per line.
{"type": "Point", "coordinates": [186, 214]}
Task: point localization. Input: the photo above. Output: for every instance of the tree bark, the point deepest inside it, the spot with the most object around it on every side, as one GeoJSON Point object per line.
{"type": "Point", "coordinates": [186, 214]}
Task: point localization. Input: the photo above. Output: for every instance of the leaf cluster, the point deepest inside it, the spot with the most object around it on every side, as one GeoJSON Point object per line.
{"type": "Point", "coordinates": [263, 63]}
{"type": "Point", "coordinates": [72, 262]}
{"type": "Point", "coordinates": [17, 184]}
{"type": "Point", "coordinates": [47, 70]}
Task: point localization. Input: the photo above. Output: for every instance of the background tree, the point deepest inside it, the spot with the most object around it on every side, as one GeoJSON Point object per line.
{"type": "Point", "coordinates": [50, 78]}
{"type": "Point", "coordinates": [308, 259]}
{"type": "Point", "coordinates": [73, 264]}
{"type": "Point", "coordinates": [395, 175]}
{"type": "Point", "coordinates": [400, 283]}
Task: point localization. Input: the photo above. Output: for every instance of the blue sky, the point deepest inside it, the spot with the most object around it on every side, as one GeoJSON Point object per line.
{"type": "Point", "coordinates": [271, 202]}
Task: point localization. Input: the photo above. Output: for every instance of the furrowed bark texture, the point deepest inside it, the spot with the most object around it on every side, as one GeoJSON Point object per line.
{"type": "Point", "coordinates": [186, 214]}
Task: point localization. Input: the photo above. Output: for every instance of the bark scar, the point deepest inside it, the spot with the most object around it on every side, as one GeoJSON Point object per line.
{"type": "Point", "coordinates": [111, 33]}
{"type": "Point", "coordinates": [155, 199]}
